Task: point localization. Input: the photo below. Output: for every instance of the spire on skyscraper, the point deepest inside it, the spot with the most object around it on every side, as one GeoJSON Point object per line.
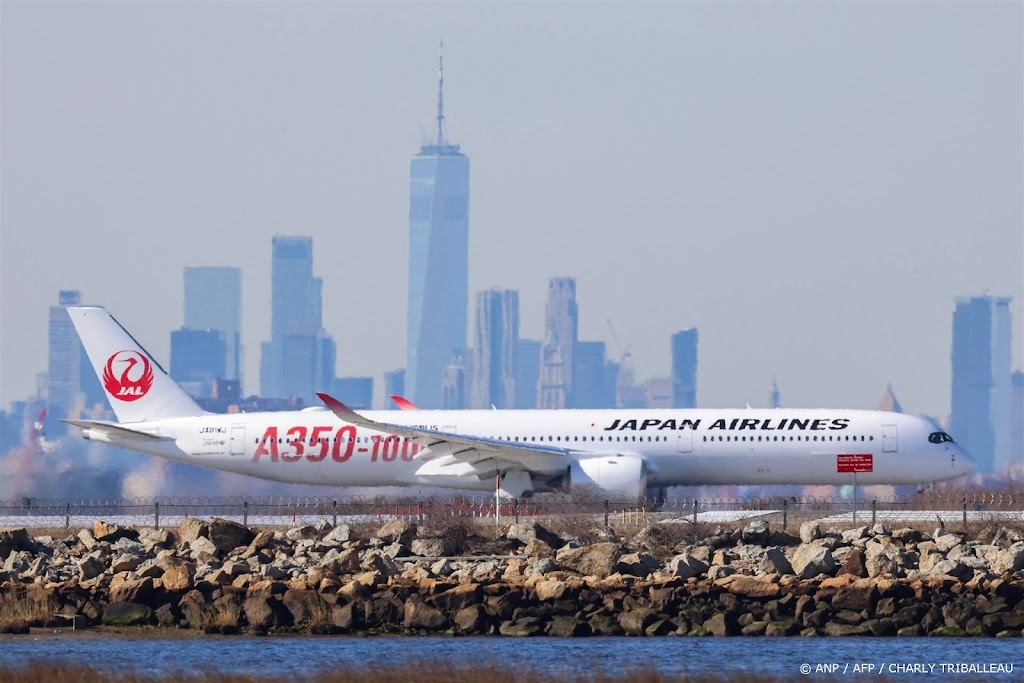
{"type": "Point", "coordinates": [440, 98]}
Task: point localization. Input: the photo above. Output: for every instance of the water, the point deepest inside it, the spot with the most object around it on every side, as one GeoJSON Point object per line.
{"type": "Point", "coordinates": [288, 656]}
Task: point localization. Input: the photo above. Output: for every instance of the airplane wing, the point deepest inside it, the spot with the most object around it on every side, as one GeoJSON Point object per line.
{"type": "Point", "coordinates": [485, 456]}
{"type": "Point", "coordinates": [404, 403]}
{"type": "Point", "coordinates": [116, 430]}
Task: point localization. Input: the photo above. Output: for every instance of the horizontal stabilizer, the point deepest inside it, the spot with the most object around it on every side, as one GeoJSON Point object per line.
{"type": "Point", "coordinates": [116, 430]}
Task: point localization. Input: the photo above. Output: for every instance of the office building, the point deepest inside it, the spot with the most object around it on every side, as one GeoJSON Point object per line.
{"type": "Point", "coordinates": [453, 384]}
{"type": "Point", "coordinates": [1017, 425]}
{"type": "Point", "coordinates": [198, 359]}
{"type": "Point", "coordinates": [355, 392]}
{"type": "Point", "coordinates": [981, 352]}
{"type": "Point", "coordinates": [659, 392]}
{"type": "Point", "coordinates": [394, 385]}
{"type": "Point", "coordinates": [561, 327]}
{"type": "Point", "coordinates": [63, 377]}
{"type": "Point", "coordinates": [438, 262]}
{"type": "Point", "coordinates": [684, 368]}
{"type": "Point", "coordinates": [527, 373]}
{"type": "Point", "coordinates": [497, 339]}
{"type": "Point", "coordinates": [299, 360]}
{"type": "Point", "coordinates": [213, 301]}
{"type": "Point", "coordinates": [589, 376]}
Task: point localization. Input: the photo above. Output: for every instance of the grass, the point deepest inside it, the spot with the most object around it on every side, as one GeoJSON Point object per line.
{"type": "Point", "coordinates": [20, 610]}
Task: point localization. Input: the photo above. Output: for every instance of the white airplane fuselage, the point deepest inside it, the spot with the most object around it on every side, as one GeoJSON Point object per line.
{"type": "Point", "coordinates": [674, 447]}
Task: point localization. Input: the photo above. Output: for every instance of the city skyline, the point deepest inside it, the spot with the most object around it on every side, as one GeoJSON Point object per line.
{"type": "Point", "coordinates": [810, 285]}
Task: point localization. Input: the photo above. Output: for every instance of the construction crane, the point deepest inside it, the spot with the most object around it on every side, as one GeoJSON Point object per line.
{"type": "Point", "coordinates": [624, 352]}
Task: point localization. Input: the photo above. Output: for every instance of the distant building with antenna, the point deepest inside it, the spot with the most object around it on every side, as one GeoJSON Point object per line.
{"type": "Point", "coordinates": [776, 397]}
{"type": "Point", "coordinates": [438, 262]}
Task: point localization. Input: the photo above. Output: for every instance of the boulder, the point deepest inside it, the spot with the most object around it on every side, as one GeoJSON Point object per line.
{"type": "Point", "coordinates": [153, 539]}
{"type": "Point", "coordinates": [105, 531]}
{"type": "Point", "coordinates": [14, 539]}
{"type": "Point", "coordinates": [524, 532]}
{"type": "Point", "coordinates": [859, 597]}
{"type": "Point", "coordinates": [811, 559]}
{"type": "Point", "coordinates": [854, 564]}
{"type": "Point", "coordinates": [124, 588]}
{"type": "Point", "coordinates": [947, 542]}
{"type": "Point", "coordinates": [635, 621]}
{"type": "Point", "coordinates": [775, 561]}
{"type": "Point", "coordinates": [421, 616]}
{"type": "Point", "coordinates": [538, 548]}
{"type": "Point", "coordinates": [1009, 560]}
{"type": "Point", "coordinates": [263, 611]}
{"type": "Point", "coordinates": [89, 567]}
{"type": "Point", "coordinates": [126, 614]}
{"type": "Point", "coordinates": [809, 531]}
{"type": "Point", "coordinates": [550, 590]}
{"type": "Point", "coordinates": [224, 534]}
{"type": "Point", "coordinates": [338, 535]}
{"type": "Point", "coordinates": [568, 627]}
{"type": "Point", "coordinates": [686, 566]}
{"type": "Point", "coordinates": [305, 607]}
{"type": "Point", "coordinates": [178, 577]}
{"type": "Point", "coordinates": [431, 547]}
{"type": "Point", "coordinates": [457, 598]}
{"type": "Point", "coordinates": [749, 587]}
{"type": "Point", "coordinates": [125, 563]}
{"type": "Point", "coordinates": [302, 533]}
{"type": "Point", "coordinates": [397, 531]}
{"type": "Point", "coordinates": [637, 564]}
{"type": "Point", "coordinates": [721, 624]}
{"type": "Point", "coordinates": [756, 533]}
{"type": "Point", "coordinates": [598, 559]}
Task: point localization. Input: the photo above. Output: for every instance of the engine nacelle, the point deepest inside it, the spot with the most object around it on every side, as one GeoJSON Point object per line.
{"type": "Point", "coordinates": [624, 475]}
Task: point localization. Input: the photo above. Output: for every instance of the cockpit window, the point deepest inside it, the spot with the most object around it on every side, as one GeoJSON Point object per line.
{"type": "Point", "coordinates": [939, 437]}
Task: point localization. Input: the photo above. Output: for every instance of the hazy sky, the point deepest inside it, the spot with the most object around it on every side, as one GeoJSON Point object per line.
{"type": "Point", "coordinates": [808, 183]}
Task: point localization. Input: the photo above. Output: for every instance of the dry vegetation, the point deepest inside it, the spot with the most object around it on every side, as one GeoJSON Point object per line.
{"type": "Point", "coordinates": [19, 610]}
{"type": "Point", "coordinates": [436, 672]}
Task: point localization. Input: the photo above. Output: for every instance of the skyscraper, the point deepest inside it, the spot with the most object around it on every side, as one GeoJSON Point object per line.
{"type": "Point", "coordinates": [198, 359]}
{"type": "Point", "coordinates": [589, 377]}
{"type": "Point", "coordinates": [301, 354]}
{"type": "Point", "coordinates": [64, 361]}
{"type": "Point", "coordinates": [394, 385]}
{"type": "Point", "coordinates": [980, 416]}
{"type": "Point", "coordinates": [527, 373]}
{"type": "Point", "coordinates": [684, 368]}
{"type": "Point", "coordinates": [561, 328]}
{"type": "Point", "coordinates": [497, 338]}
{"type": "Point", "coordinates": [213, 301]}
{"type": "Point", "coordinates": [438, 262]}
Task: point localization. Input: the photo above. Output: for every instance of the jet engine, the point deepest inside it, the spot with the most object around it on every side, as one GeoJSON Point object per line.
{"type": "Point", "coordinates": [624, 475]}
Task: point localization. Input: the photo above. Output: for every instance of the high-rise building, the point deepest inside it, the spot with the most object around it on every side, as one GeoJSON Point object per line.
{"type": "Point", "coordinates": [561, 328]}
{"type": "Point", "coordinates": [438, 262]}
{"type": "Point", "coordinates": [300, 358]}
{"type": "Point", "coordinates": [394, 385]}
{"type": "Point", "coordinates": [659, 392]}
{"type": "Point", "coordinates": [453, 383]}
{"type": "Point", "coordinates": [497, 338]}
{"type": "Point", "coordinates": [1017, 424]}
{"type": "Point", "coordinates": [981, 352]}
{"type": "Point", "coordinates": [527, 373]}
{"type": "Point", "coordinates": [589, 377]}
{"type": "Point", "coordinates": [213, 301]}
{"type": "Point", "coordinates": [64, 361]}
{"type": "Point", "coordinates": [684, 368]}
{"type": "Point", "coordinates": [198, 359]}
{"type": "Point", "coordinates": [355, 392]}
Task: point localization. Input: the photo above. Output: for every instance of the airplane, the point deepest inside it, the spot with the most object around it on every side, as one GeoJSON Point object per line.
{"type": "Point", "coordinates": [517, 452]}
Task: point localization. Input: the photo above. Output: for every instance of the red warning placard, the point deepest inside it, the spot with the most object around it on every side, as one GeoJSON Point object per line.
{"type": "Point", "coordinates": [849, 463]}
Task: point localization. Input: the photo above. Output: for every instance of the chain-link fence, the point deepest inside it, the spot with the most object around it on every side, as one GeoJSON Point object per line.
{"type": "Point", "coordinates": [783, 512]}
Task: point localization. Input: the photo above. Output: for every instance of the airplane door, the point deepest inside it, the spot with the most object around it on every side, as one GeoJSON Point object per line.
{"type": "Point", "coordinates": [237, 440]}
{"type": "Point", "coordinates": [685, 444]}
{"type": "Point", "coordinates": [890, 442]}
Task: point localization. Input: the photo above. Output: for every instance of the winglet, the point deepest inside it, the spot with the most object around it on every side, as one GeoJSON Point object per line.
{"type": "Point", "coordinates": [336, 406]}
{"type": "Point", "coordinates": [404, 403]}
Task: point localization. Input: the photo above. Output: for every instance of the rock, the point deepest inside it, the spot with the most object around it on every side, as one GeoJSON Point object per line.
{"type": "Point", "coordinates": [470, 620]}
{"type": "Point", "coordinates": [14, 539]}
{"type": "Point", "coordinates": [686, 566]}
{"type": "Point", "coordinates": [635, 621]}
{"type": "Point", "coordinates": [125, 563]}
{"type": "Point", "coordinates": [89, 567]}
{"type": "Point", "coordinates": [775, 561]}
{"type": "Point", "coordinates": [105, 531]}
{"type": "Point", "coordinates": [338, 535]}
{"type": "Point", "coordinates": [224, 534]}
{"type": "Point", "coordinates": [809, 531]}
{"type": "Point", "coordinates": [263, 612]}
{"type": "Point", "coordinates": [1009, 560]}
{"type": "Point", "coordinates": [125, 588]}
{"type": "Point", "coordinates": [202, 548]}
{"type": "Point", "coordinates": [87, 539]}
{"type": "Point", "coordinates": [720, 571]}
{"type": "Point", "coordinates": [538, 548]}
{"type": "Point", "coordinates": [178, 577]}
{"type": "Point", "coordinates": [529, 626]}
{"type": "Point", "coordinates": [598, 559]}
{"type": "Point", "coordinates": [166, 615]}
{"type": "Point", "coordinates": [907, 535]}
{"type": "Point", "coordinates": [524, 532]}
{"type": "Point", "coordinates": [834, 628]}
{"type": "Point", "coordinates": [637, 564]}
{"type": "Point", "coordinates": [947, 568]}
{"type": "Point", "coordinates": [421, 616]}
{"type": "Point", "coordinates": [397, 531]}
{"type": "Point", "coordinates": [750, 587]}
{"type": "Point", "coordinates": [302, 533]}
{"type": "Point", "coordinates": [811, 559]}
{"type": "Point", "coordinates": [721, 624]}
{"type": "Point", "coordinates": [756, 533]}
{"type": "Point", "coordinates": [782, 627]}
{"type": "Point", "coordinates": [550, 589]}
{"type": "Point", "coordinates": [947, 542]}
{"type": "Point", "coordinates": [855, 534]}
{"type": "Point", "coordinates": [306, 607]}
{"type": "Point", "coordinates": [859, 597]}
{"type": "Point", "coordinates": [544, 566]}
{"type": "Point", "coordinates": [854, 564]}
{"type": "Point", "coordinates": [126, 614]}
{"type": "Point", "coordinates": [755, 628]}
{"type": "Point", "coordinates": [457, 598]}
{"type": "Point", "coordinates": [152, 539]}
{"type": "Point", "coordinates": [432, 547]}
{"type": "Point", "coordinates": [568, 627]}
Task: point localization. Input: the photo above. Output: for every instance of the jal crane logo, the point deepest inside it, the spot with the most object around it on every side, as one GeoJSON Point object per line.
{"type": "Point", "coordinates": [128, 375]}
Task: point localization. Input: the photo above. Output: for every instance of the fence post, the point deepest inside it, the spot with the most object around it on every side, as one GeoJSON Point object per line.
{"type": "Point", "coordinates": [156, 515]}
{"type": "Point", "coordinates": [516, 511]}
{"type": "Point", "coordinates": [606, 510]}
{"type": "Point", "coordinates": [334, 513]}
{"type": "Point", "coordinates": [245, 513]}
{"type": "Point", "coordinates": [965, 512]}
{"type": "Point", "coordinates": [67, 516]}
{"type": "Point", "coordinates": [785, 513]}
{"type": "Point", "coordinates": [694, 510]}
{"type": "Point", "coordinates": [874, 510]}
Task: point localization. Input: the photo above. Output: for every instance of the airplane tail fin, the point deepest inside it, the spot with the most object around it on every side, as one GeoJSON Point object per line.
{"type": "Point", "coordinates": [136, 386]}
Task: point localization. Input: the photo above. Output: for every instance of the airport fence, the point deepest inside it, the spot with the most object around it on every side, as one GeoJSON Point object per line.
{"type": "Point", "coordinates": [782, 512]}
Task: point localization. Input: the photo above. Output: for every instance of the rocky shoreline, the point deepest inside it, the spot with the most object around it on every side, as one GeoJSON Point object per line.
{"type": "Point", "coordinates": [451, 576]}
